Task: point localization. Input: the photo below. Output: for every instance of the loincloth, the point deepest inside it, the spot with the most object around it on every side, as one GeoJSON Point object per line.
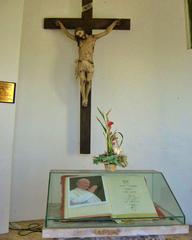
{"type": "Point", "coordinates": [83, 66]}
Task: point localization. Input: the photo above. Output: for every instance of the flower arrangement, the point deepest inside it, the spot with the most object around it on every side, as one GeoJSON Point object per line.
{"type": "Point", "coordinates": [114, 140]}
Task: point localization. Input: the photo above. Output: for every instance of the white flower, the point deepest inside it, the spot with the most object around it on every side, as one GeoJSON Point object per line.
{"type": "Point", "coordinates": [117, 150]}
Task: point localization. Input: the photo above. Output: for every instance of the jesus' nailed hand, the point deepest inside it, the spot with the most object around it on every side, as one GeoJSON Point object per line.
{"type": "Point", "coordinates": [84, 65]}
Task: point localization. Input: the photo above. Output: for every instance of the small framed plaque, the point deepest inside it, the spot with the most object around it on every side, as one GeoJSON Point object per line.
{"type": "Point", "coordinates": [188, 10]}
{"type": "Point", "coordinates": [7, 92]}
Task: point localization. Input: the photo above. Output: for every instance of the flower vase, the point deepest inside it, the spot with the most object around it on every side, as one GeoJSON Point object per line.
{"type": "Point", "coordinates": [110, 167]}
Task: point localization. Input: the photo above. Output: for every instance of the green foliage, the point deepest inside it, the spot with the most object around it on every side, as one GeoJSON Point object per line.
{"type": "Point", "coordinates": [112, 159]}
{"type": "Point", "coordinates": [118, 160]}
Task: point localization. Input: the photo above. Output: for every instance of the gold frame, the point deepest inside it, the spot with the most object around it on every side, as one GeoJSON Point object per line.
{"type": "Point", "coordinates": [188, 20]}
{"type": "Point", "coordinates": [7, 92]}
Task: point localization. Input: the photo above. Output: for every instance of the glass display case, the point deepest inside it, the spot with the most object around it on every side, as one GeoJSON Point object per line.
{"type": "Point", "coordinates": [167, 209]}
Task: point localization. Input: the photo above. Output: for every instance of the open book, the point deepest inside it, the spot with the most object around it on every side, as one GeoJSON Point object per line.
{"type": "Point", "coordinates": [112, 195]}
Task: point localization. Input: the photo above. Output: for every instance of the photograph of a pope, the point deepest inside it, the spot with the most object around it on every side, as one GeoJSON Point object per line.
{"type": "Point", "coordinates": [84, 193]}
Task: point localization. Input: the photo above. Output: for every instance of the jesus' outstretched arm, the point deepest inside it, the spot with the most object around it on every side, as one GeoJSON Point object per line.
{"type": "Point", "coordinates": [66, 32]}
{"type": "Point", "coordinates": [108, 30]}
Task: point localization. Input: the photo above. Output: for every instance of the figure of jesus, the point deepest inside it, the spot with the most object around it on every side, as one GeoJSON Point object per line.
{"type": "Point", "coordinates": [85, 66]}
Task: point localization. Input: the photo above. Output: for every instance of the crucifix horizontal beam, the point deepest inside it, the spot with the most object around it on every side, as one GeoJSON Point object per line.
{"type": "Point", "coordinates": [87, 23]}
{"type": "Point", "coordinates": [96, 23]}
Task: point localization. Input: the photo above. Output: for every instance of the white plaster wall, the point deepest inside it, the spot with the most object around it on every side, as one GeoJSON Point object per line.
{"type": "Point", "coordinates": [142, 74]}
{"type": "Point", "coordinates": [11, 12]}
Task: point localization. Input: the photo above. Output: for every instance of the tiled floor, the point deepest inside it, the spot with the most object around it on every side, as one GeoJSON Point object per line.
{"type": "Point", "coordinates": [13, 235]}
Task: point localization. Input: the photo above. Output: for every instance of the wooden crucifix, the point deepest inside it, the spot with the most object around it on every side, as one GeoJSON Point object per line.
{"type": "Point", "coordinates": [87, 23]}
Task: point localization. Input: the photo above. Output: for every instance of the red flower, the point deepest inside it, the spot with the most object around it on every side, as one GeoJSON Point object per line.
{"type": "Point", "coordinates": [109, 124]}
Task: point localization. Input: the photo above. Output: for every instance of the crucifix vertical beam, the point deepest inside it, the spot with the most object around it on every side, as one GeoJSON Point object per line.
{"type": "Point", "coordinates": [88, 23]}
{"type": "Point", "coordinates": [85, 112]}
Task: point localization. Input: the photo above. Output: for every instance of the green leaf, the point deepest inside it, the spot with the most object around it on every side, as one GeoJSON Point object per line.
{"type": "Point", "coordinates": [104, 128]}
{"type": "Point", "coordinates": [107, 115]}
{"type": "Point", "coordinates": [108, 112]}
{"type": "Point", "coordinates": [121, 138]}
{"type": "Point", "coordinates": [102, 114]}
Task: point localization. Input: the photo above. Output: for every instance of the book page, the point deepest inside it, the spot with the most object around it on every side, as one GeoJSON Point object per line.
{"type": "Point", "coordinates": [129, 196]}
{"type": "Point", "coordinates": [85, 197]}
